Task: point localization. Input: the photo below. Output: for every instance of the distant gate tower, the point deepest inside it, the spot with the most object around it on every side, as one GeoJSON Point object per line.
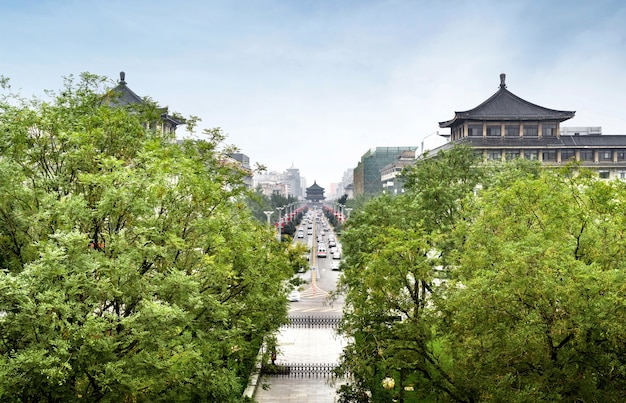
{"type": "Point", "coordinates": [315, 193]}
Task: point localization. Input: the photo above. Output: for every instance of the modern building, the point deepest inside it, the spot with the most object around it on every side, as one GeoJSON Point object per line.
{"type": "Point", "coordinates": [287, 184]}
{"type": "Point", "coordinates": [389, 174]}
{"type": "Point", "coordinates": [366, 175]}
{"type": "Point", "coordinates": [314, 193]}
{"type": "Point", "coordinates": [244, 162]}
{"type": "Point", "coordinates": [506, 126]}
{"type": "Point", "coordinates": [292, 178]}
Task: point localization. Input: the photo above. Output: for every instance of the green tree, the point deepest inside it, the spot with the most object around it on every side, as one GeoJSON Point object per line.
{"type": "Point", "coordinates": [132, 267]}
{"type": "Point", "coordinates": [393, 248]}
{"type": "Point", "coordinates": [537, 312]}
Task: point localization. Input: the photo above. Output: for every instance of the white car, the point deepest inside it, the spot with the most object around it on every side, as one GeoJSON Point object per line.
{"type": "Point", "coordinates": [337, 254]}
{"type": "Point", "coordinates": [294, 296]}
{"type": "Point", "coordinates": [334, 265]}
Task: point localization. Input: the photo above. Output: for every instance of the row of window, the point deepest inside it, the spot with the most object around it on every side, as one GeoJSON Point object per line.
{"type": "Point", "coordinates": [547, 130]}
{"type": "Point", "coordinates": [554, 155]}
{"type": "Point", "coordinates": [510, 130]}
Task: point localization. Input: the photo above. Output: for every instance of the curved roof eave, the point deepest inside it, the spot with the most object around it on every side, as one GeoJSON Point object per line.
{"type": "Point", "coordinates": [504, 105]}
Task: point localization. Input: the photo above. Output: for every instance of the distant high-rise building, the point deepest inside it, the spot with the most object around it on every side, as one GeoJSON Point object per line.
{"type": "Point", "coordinates": [288, 183]}
{"type": "Point", "coordinates": [292, 178]}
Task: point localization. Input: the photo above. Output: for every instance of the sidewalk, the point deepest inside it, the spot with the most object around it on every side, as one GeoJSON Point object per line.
{"type": "Point", "coordinates": [303, 345]}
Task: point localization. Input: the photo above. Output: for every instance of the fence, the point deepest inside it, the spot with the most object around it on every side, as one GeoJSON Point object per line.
{"type": "Point", "coordinates": [314, 321]}
{"type": "Point", "coordinates": [300, 370]}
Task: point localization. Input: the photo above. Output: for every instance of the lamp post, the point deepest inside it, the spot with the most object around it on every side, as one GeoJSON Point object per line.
{"type": "Point", "coordinates": [348, 209]}
{"type": "Point", "coordinates": [280, 230]}
{"type": "Point", "coordinates": [341, 206]}
{"type": "Point", "coordinates": [268, 214]}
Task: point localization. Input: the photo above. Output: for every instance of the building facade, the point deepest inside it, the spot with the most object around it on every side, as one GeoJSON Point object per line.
{"type": "Point", "coordinates": [287, 184]}
{"type": "Point", "coordinates": [366, 175]}
{"type": "Point", "coordinates": [244, 162]}
{"type": "Point", "coordinates": [389, 174]}
{"type": "Point", "coordinates": [505, 127]}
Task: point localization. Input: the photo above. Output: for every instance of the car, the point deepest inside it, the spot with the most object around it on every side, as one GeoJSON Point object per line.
{"type": "Point", "coordinates": [309, 232]}
{"type": "Point", "coordinates": [300, 234]}
{"type": "Point", "coordinates": [321, 252]}
{"type": "Point", "coordinates": [332, 243]}
{"type": "Point", "coordinates": [337, 254]}
{"type": "Point", "coordinates": [294, 296]}
{"type": "Point", "coordinates": [334, 265]}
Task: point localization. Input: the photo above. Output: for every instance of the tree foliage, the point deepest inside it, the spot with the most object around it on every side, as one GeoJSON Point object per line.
{"type": "Point", "coordinates": [540, 311]}
{"type": "Point", "coordinates": [132, 269]}
{"type": "Point", "coordinates": [510, 293]}
{"type": "Point", "coordinates": [392, 248]}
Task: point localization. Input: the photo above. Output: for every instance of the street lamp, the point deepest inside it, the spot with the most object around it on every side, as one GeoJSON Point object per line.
{"type": "Point", "coordinates": [280, 230]}
{"type": "Point", "coordinates": [348, 209]}
{"type": "Point", "coordinates": [268, 214]}
{"type": "Point", "coordinates": [341, 206]}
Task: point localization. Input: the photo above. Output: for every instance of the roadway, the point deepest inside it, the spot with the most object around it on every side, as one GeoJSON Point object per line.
{"type": "Point", "coordinates": [320, 281]}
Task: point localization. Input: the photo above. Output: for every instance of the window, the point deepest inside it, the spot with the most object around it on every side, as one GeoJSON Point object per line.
{"type": "Point", "coordinates": [531, 155]}
{"type": "Point", "coordinates": [605, 155]}
{"type": "Point", "coordinates": [586, 155]}
{"type": "Point", "coordinates": [621, 175]}
{"type": "Point", "coordinates": [494, 155]}
{"type": "Point", "coordinates": [621, 155]}
{"type": "Point", "coordinates": [604, 174]}
{"type": "Point", "coordinates": [511, 130]}
{"type": "Point", "coordinates": [530, 130]}
{"type": "Point", "coordinates": [478, 154]}
{"type": "Point", "coordinates": [567, 155]}
{"type": "Point", "coordinates": [548, 155]}
{"type": "Point", "coordinates": [511, 154]}
{"type": "Point", "coordinates": [493, 131]}
{"type": "Point", "coordinates": [475, 130]}
{"type": "Point", "coordinates": [548, 129]}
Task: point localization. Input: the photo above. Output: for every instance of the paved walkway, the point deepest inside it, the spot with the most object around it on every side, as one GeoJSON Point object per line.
{"type": "Point", "coordinates": [303, 345]}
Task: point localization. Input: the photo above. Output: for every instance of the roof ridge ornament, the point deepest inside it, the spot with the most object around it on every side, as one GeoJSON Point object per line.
{"type": "Point", "coordinates": [502, 81]}
{"type": "Point", "coordinates": [122, 77]}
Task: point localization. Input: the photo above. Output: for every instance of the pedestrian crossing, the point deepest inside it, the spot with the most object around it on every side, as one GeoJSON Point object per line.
{"type": "Point", "coordinates": [313, 291]}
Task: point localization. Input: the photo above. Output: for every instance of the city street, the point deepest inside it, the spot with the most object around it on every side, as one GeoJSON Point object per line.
{"type": "Point", "coordinates": [308, 345]}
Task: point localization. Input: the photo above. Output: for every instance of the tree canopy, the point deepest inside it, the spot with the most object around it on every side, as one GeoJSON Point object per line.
{"type": "Point", "coordinates": [486, 284]}
{"type": "Point", "coordinates": [133, 269]}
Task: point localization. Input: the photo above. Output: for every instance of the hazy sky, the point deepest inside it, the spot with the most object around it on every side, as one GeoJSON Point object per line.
{"type": "Point", "coordinates": [317, 83]}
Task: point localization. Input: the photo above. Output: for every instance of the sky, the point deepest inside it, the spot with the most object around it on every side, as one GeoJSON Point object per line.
{"type": "Point", "coordinates": [315, 84]}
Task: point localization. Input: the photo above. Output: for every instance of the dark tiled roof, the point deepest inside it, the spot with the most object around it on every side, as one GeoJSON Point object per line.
{"type": "Point", "coordinates": [315, 186]}
{"type": "Point", "coordinates": [503, 106]}
{"type": "Point", "coordinates": [121, 95]}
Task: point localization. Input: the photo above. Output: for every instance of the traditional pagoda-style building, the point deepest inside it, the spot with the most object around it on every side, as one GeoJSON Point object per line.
{"type": "Point", "coordinates": [122, 96]}
{"type": "Point", "coordinates": [506, 126]}
{"type": "Point", "coordinates": [315, 193]}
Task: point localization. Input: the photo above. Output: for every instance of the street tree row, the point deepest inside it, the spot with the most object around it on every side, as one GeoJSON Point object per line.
{"type": "Point", "coordinates": [487, 283]}
{"type": "Point", "coordinates": [132, 268]}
